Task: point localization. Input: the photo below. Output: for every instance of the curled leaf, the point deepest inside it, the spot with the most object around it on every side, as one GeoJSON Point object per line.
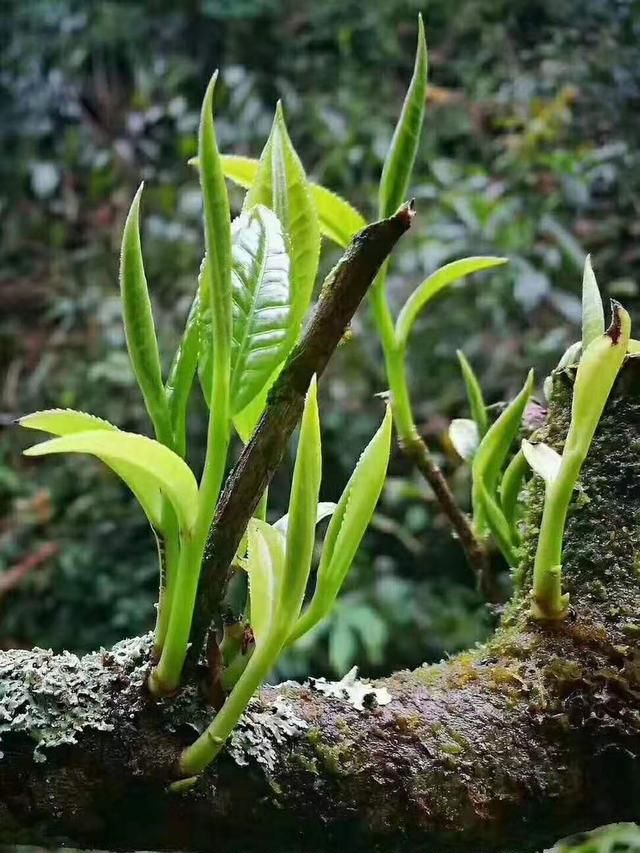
{"type": "Point", "coordinates": [138, 324]}
{"type": "Point", "coordinates": [134, 455]}
{"type": "Point", "coordinates": [432, 285]}
{"type": "Point", "coordinates": [543, 460]}
{"type": "Point", "coordinates": [474, 394]}
{"type": "Point", "coordinates": [180, 379]}
{"type": "Point", "coordinates": [281, 184]}
{"type": "Point", "coordinates": [348, 525]}
{"type": "Point", "coordinates": [265, 566]}
{"type": "Point", "coordinates": [303, 508]}
{"type": "Point", "coordinates": [464, 435]}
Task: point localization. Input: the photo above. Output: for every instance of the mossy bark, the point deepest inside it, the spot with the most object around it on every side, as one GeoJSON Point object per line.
{"type": "Point", "coordinates": [506, 747]}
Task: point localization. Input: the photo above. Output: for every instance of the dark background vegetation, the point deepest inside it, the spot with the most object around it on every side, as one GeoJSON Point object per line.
{"type": "Point", "coordinates": [530, 150]}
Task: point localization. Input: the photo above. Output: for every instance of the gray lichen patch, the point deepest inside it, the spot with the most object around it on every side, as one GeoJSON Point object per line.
{"type": "Point", "coordinates": [359, 694]}
{"type": "Point", "coordinates": [53, 698]}
{"type": "Point", "coordinates": [263, 731]}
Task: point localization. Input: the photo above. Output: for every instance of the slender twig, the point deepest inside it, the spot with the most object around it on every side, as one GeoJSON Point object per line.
{"type": "Point", "coordinates": [475, 551]}
{"type": "Point", "coordinates": [340, 296]}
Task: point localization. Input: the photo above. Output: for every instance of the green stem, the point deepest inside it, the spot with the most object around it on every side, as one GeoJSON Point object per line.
{"type": "Point", "coordinates": [196, 757]}
{"type": "Point", "coordinates": [510, 487]}
{"type": "Point", "coordinates": [415, 448]}
{"type": "Point", "coordinates": [166, 676]}
{"type": "Point", "coordinates": [549, 603]}
{"type": "Point", "coordinates": [169, 549]}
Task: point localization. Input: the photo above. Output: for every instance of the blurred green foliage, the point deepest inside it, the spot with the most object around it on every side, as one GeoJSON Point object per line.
{"type": "Point", "coordinates": [529, 151]}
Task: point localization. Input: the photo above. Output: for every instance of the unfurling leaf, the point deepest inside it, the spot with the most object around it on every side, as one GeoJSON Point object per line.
{"type": "Point", "coordinates": [339, 221]}
{"type": "Point", "coordinates": [348, 525]}
{"type": "Point", "coordinates": [138, 460]}
{"type": "Point", "coordinates": [510, 487]}
{"type": "Point", "coordinates": [215, 296]}
{"type": "Point", "coordinates": [464, 436]}
{"type": "Point", "coordinates": [281, 184]}
{"type": "Point", "coordinates": [543, 460]}
{"type": "Point", "coordinates": [138, 324]}
{"type": "Point", "coordinates": [261, 303]}
{"type": "Point", "coordinates": [487, 467]}
{"type": "Point", "coordinates": [265, 566]}
{"type": "Point", "coordinates": [432, 285]}
{"type": "Point", "coordinates": [303, 509]}
{"type": "Point", "coordinates": [63, 422]}
{"type": "Point", "coordinates": [401, 156]}
{"type": "Point", "coordinates": [323, 510]}
{"type": "Point", "coordinates": [592, 309]}
{"type": "Point", "coordinates": [474, 394]}
{"type": "Point", "coordinates": [180, 380]}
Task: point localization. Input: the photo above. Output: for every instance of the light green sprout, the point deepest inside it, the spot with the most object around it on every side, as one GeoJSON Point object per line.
{"type": "Point", "coordinates": [601, 360]}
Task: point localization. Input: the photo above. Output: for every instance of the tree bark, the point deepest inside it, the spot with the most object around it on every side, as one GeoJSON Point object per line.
{"type": "Point", "coordinates": [507, 747]}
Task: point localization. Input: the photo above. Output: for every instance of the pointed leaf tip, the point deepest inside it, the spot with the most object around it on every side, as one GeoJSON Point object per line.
{"type": "Point", "coordinates": [619, 320]}
{"type": "Point", "coordinates": [592, 310]}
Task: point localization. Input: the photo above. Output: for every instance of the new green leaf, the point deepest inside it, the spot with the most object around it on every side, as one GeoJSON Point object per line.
{"type": "Point", "coordinates": [180, 380]}
{"type": "Point", "coordinates": [303, 508]}
{"type": "Point", "coordinates": [281, 184]}
{"type": "Point", "coordinates": [398, 165]}
{"type": "Point", "coordinates": [61, 422]}
{"type": "Point", "coordinates": [138, 324]}
{"type": "Point", "coordinates": [488, 463]}
{"type": "Point", "coordinates": [474, 394]}
{"type": "Point", "coordinates": [348, 525]}
{"type": "Point", "coordinates": [261, 303]}
{"type": "Point", "coordinates": [510, 487]}
{"type": "Point", "coordinates": [162, 466]}
{"type": "Point", "coordinates": [432, 285]}
{"type": "Point", "coordinates": [338, 220]}
{"type": "Point", "coordinates": [592, 309]}
{"type": "Point", "coordinates": [597, 371]}
{"type": "Point", "coordinates": [215, 290]}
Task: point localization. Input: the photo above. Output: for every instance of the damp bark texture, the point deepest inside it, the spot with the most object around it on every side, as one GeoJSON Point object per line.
{"type": "Point", "coordinates": [507, 747]}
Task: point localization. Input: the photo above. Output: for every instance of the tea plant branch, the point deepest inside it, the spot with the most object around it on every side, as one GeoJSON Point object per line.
{"type": "Point", "coordinates": [501, 748]}
{"type": "Point", "coordinates": [476, 552]}
{"type": "Point", "coordinates": [341, 293]}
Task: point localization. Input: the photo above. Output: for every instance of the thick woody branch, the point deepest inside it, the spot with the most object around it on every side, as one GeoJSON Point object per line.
{"type": "Point", "coordinates": [507, 747]}
{"type": "Point", "coordinates": [341, 294]}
